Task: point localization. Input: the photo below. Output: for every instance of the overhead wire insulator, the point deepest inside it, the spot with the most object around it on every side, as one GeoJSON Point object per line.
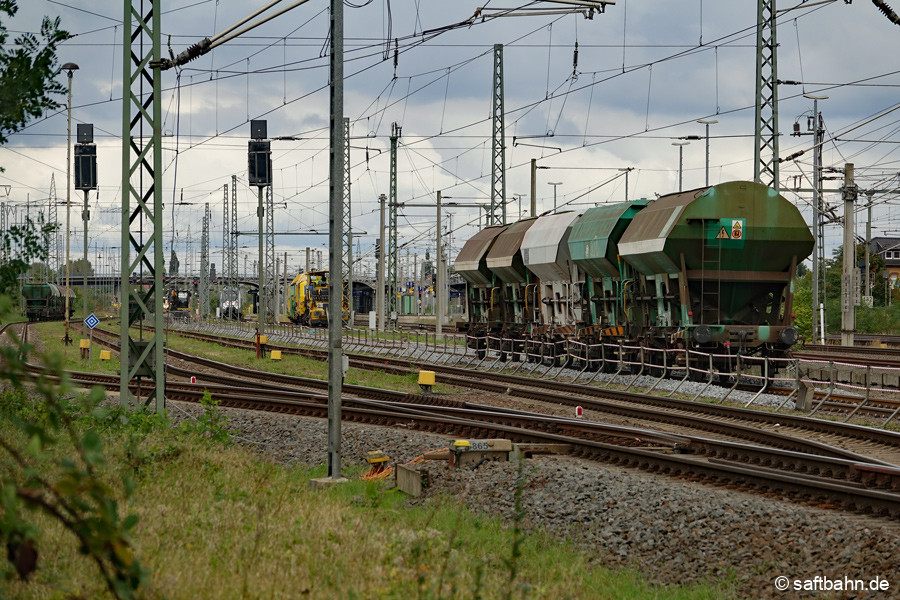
{"type": "Point", "coordinates": [887, 11]}
{"type": "Point", "coordinates": [575, 60]}
{"type": "Point", "coordinates": [396, 56]}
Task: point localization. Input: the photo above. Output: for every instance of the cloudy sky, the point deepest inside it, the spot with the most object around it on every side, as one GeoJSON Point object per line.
{"type": "Point", "coordinates": [645, 73]}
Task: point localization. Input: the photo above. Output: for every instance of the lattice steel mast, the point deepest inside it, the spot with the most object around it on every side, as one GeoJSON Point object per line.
{"type": "Point", "coordinates": [204, 264]}
{"type": "Point", "coordinates": [270, 283]}
{"type": "Point", "coordinates": [226, 237]}
{"type": "Point", "coordinates": [53, 239]}
{"type": "Point", "coordinates": [765, 152]}
{"type": "Point", "coordinates": [231, 232]}
{"type": "Point", "coordinates": [497, 214]}
{"type": "Point", "coordinates": [4, 226]}
{"type": "Point", "coordinates": [392, 247]}
{"type": "Point", "coordinates": [142, 202]}
{"type": "Point", "coordinates": [347, 284]}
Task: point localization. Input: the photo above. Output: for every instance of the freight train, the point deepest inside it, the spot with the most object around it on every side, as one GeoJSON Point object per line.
{"type": "Point", "coordinates": [308, 300]}
{"type": "Point", "coordinates": [47, 301]}
{"type": "Point", "coordinates": [709, 270]}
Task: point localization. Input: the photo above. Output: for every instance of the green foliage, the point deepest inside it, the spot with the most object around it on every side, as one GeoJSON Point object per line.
{"type": "Point", "coordinates": [212, 424]}
{"type": "Point", "coordinates": [882, 317]}
{"type": "Point", "coordinates": [80, 267]}
{"type": "Point", "coordinates": [512, 563]}
{"type": "Point", "coordinates": [27, 72]}
{"type": "Point", "coordinates": [802, 307]}
{"type": "Point", "coordinates": [23, 244]}
{"type": "Point", "coordinates": [55, 460]}
{"type": "Point", "coordinates": [57, 466]}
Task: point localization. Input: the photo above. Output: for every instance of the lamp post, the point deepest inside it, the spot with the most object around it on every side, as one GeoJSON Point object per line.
{"type": "Point", "coordinates": [707, 122]}
{"type": "Point", "coordinates": [554, 184]}
{"type": "Point", "coordinates": [70, 68]}
{"type": "Point", "coordinates": [681, 146]}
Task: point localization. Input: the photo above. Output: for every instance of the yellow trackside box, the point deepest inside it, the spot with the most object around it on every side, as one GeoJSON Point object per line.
{"type": "Point", "coordinates": [263, 339]}
{"type": "Point", "coordinates": [426, 377]}
{"type": "Point", "coordinates": [105, 355]}
{"type": "Point", "coordinates": [276, 354]}
{"type": "Point", "coordinates": [85, 344]}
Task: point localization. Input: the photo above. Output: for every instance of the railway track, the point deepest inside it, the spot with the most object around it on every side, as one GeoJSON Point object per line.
{"type": "Point", "coordinates": [882, 357]}
{"type": "Point", "coordinates": [449, 329]}
{"type": "Point", "coordinates": [692, 424]}
{"type": "Point", "coordinates": [680, 416]}
{"type": "Point", "coordinates": [884, 404]}
{"type": "Point", "coordinates": [854, 484]}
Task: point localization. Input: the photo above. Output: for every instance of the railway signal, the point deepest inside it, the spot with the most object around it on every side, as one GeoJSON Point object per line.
{"type": "Point", "coordinates": [259, 156]}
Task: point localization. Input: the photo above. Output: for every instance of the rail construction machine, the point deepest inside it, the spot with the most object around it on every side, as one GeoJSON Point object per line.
{"type": "Point", "coordinates": [177, 302]}
{"type": "Point", "coordinates": [709, 270]}
{"type": "Point", "coordinates": [308, 300]}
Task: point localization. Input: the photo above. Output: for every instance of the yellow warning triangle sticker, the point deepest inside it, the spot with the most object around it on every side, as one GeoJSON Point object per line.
{"type": "Point", "coordinates": [723, 234]}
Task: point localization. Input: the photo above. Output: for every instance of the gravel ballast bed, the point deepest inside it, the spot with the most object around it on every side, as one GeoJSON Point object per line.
{"type": "Point", "coordinates": [674, 531]}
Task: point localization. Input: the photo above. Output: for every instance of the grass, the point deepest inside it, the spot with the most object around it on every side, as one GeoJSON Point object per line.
{"type": "Point", "coordinates": [51, 334]}
{"type": "Point", "coordinates": [301, 366]}
{"type": "Point", "coordinates": [223, 522]}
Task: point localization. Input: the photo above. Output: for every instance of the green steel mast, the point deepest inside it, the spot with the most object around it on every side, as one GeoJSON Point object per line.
{"type": "Point", "coordinates": [142, 204]}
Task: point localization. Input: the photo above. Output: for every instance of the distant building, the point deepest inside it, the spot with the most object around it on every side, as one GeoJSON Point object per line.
{"type": "Point", "coordinates": [888, 248]}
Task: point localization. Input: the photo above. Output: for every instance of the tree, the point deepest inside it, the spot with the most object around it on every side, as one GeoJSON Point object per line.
{"type": "Point", "coordinates": [40, 270]}
{"type": "Point", "coordinates": [71, 489]}
{"type": "Point", "coordinates": [27, 72]}
{"type": "Point", "coordinates": [80, 266]}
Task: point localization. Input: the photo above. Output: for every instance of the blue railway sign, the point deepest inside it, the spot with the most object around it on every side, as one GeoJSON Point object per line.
{"type": "Point", "coordinates": [92, 321]}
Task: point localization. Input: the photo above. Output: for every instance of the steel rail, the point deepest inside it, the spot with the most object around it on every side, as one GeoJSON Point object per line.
{"type": "Point", "coordinates": [574, 394]}
{"type": "Point", "coordinates": [722, 471]}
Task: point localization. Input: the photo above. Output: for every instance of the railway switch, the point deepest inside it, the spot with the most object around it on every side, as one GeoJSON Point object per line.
{"type": "Point", "coordinates": [471, 453]}
{"type": "Point", "coordinates": [426, 381]}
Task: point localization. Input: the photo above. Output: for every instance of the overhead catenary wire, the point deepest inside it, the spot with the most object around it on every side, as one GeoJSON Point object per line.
{"type": "Point", "coordinates": [229, 33]}
{"type": "Point", "coordinates": [406, 98]}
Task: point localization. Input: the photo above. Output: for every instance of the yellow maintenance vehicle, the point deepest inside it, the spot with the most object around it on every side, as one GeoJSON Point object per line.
{"type": "Point", "coordinates": [308, 300]}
